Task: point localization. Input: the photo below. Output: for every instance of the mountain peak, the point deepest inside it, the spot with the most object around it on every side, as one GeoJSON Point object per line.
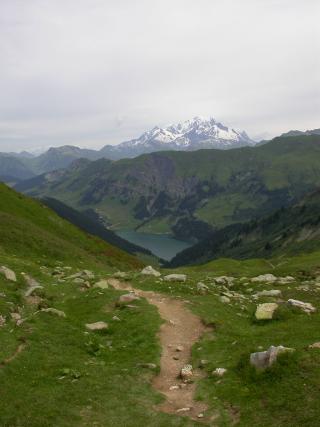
{"type": "Point", "coordinates": [189, 135]}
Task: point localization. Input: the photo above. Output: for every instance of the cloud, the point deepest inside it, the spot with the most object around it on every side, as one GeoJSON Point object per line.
{"type": "Point", "coordinates": [91, 72]}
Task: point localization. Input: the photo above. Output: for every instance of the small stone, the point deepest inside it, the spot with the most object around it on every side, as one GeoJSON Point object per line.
{"type": "Point", "coordinates": [270, 293]}
{"type": "Point", "coordinates": [179, 348]}
{"type": "Point", "coordinates": [31, 282]}
{"type": "Point", "coordinates": [265, 278]}
{"type": "Point", "coordinates": [127, 299]}
{"type": "Point", "coordinates": [174, 387]}
{"type": "Point", "coordinates": [52, 310]}
{"type": "Point", "coordinates": [148, 365]}
{"type": "Point", "coordinates": [150, 271]}
{"type": "Point", "coordinates": [186, 372]}
{"type": "Point", "coordinates": [264, 359]}
{"type": "Point", "coordinates": [102, 284]}
{"type": "Point", "coordinates": [304, 306]}
{"type": "Point", "coordinates": [97, 326]}
{"type": "Point", "coordinates": [183, 410]}
{"type": "Point", "coordinates": [266, 311]}
{"type": "Point", "coordinates": [315, 345]}
{"type": "Point", "coordinates": [175, 358]}
{"type": "Point", "coordinates": [175, 278]}
{"type": "Point", "coordinates": [219, 372]}
{"type": "Point", "coordinates": [224, 299]}
{"type": "Point", "coordinates": [8, 274]}
{"type": "Point", "coordinates": [202, 288]}
{"type": "Point", "coordinates": [200, 415]}
{"type": "Point", "coordinates": [116, 318]}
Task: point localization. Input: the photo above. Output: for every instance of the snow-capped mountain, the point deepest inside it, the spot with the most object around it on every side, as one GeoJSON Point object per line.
{"type": "Point", "coordinates": [190, 135]}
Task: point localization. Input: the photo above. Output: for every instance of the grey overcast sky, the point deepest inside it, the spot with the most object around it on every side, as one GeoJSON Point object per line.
{"type": "Point", "coordinates": [92, 72]}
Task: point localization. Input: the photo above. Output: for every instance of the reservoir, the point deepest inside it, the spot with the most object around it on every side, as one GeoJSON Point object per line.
{"type": "Point", "coordinates": [162, 245]}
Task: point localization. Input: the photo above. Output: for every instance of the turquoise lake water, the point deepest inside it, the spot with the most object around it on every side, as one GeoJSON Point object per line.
{"type": "Point", "coordinates": [162, 245]}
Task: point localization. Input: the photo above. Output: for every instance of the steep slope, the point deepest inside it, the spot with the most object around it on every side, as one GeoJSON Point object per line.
{"type": "Point", "coordinates": [291, 230]}
{"type": "Point", "coordinates": [190, 192]}
{"type": "Point", "coordinates": [190, 135]}
{"type": "Point", "coordinates": [30, 229]}
{"type": "Point", "coordinates": [91, 223]}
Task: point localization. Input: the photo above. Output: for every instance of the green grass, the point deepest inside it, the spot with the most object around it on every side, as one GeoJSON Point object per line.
{"type": "Point", "coordinates": [65, 376]}
{"type": "Point", "coordinates": [287, 394]}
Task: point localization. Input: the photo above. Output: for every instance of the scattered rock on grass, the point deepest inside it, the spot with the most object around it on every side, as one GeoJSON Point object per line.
{"type": "Point", "coordinates": [304, 306]}
{"type": "Point", "coordinates": [315, 345]}
{"type": "Point", "coordinates": [97, 326]}
{"type": "Point", "coordinates": [102, 284]}
{"type": "Point", "coordinates": [265, 278]}
{"type": "Point", "coordinates": [52, 310]}
{"type": "Point", "coordinates": [264, 359]}
{"type": "Point", "coordinates": [175, 278]}
{"type": "Point", "coordinates": [127, 299]}
{"type": "Point", "coordinates": [266, 311]}
{"type": "Point", "coordinates": [269, 293]}
{"type": "Point", "coordinates": [150, 271]}
{"type": "Point", "coordinates": [202, 288]}
{"type": "Point", "coordinates": [8, 274]}
{"type": "Point", "coordinates": [219, 372]}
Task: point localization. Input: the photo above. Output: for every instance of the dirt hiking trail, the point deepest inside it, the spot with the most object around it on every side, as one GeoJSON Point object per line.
{"type": "Point", "coordinates": [177, 335]}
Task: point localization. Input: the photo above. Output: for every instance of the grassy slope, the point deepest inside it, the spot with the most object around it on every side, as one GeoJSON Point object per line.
{"type": "Point", "coordinates": [64, 376]}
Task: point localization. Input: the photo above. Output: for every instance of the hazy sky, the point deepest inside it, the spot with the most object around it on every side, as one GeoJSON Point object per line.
{"type": "Point", "coordinates": [91, 72]}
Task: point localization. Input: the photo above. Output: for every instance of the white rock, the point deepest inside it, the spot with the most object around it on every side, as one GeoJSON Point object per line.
{"type": "Point", "coordinates": [315, 345]}
{"type": "Point", "coordinates": [127, 298]}
{"type": "Point", "coordinates": [304, 306]}
{"type": "Point", "coordinates": [202, 288]}
{"type": "Point", "coordinates": [225, 299]}
{"type": "Point", "coordinates": [265, 278]}
{"type": "Point", "coordinates": [175, 278]}
{"type": "Point", "coordinates": [219, 372]}
{"type": "Point", "coordinates": [186, 372]}
{"type": "Point", "coordinates": [270, 293]}
{"type": "Point", "coordinates": [224, 280]}
{"type": "Point", "coordinates": [264, 359]}
{"type": "Point", "coordinates": [266, 311]}
{"type": "Point", "coordinates": [102, 284]}
{"type": "Point", "coordinates": [97, 326]}
{"type": "Point", "coordinates": [8, 274]}
{"type": "Point", "coordinates": [150, 271]}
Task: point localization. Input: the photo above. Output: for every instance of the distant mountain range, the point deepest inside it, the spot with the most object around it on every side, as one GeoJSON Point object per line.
{"type": "Point", "coordinates": [188, 194]}
{"type": "Point", "coordinates": [187, 136]}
